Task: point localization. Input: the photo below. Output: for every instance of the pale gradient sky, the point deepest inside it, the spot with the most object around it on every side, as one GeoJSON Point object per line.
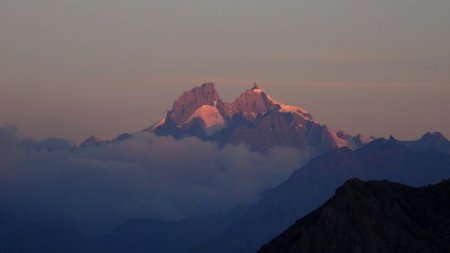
{"type": "Point", "coordinates": [81, 67]}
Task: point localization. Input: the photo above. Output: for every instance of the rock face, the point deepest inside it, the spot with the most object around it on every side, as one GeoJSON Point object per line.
{"type": "Point", "coordinates": [254, 118]}
{"type": "Point", "coordinates": [374, 216]}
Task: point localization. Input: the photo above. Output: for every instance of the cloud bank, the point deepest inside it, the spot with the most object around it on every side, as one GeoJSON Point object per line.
{"type": "Point", "coordinates": [144, 176]}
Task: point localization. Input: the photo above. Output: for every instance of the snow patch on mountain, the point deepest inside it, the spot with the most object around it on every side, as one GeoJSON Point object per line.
{"type": "Point", "coordinates": [258, 90]}
{"type": "Point", "coordinates": [159, 123]}
{"type": "Point", "coordinates": [210, 116]}
{"type": "Point", "coordinates": [291, 108]}
{"type": "Point", "coordinates": [283, 107]}
{"type": "Point", "coordinates": [353, 142]}
{"type": "Point", "coordinates": [340, 142]}
{"type": "Point", "coordinates": [365, 139]}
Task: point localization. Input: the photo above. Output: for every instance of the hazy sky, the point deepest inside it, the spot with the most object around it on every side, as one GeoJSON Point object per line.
{"type": "Point", "coordinates": [81, 67]}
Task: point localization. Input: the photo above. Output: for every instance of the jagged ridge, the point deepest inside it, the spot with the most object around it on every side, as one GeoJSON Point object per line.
{"type": "Point", "coordinates": [254, 118]}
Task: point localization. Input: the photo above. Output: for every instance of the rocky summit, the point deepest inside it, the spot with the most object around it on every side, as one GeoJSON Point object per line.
{"type": "Point", "coordinates": [254, 119]}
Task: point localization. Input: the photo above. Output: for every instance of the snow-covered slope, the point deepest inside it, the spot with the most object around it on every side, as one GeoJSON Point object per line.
{"type": "Point", "coordinates": [209, 115]}
{"type": "Point", "coordinates": [280, 107]}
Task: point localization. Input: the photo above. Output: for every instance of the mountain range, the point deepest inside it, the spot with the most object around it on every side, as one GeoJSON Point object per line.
{"type": "Point", "coordinates": [200, 112]}
{"type": "Point", "coordinates": [254, 118]}
{"type": "Point", "coordinates": [261, 123]}
{"type": "Point", "coordinates": [244, 229]}
{"type": "Point", "coordinates": [311, 185]}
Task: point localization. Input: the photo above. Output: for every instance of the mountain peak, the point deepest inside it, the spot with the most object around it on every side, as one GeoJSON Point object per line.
{"type": "Point", "coordinates": [430, 140]}
{"type": "Point", "coordinates": [91, 142]}
{"type": "Point", "coordinates": [256, 88]}
{"type": "Point", "coordinates": [434, 137]}
{"type": "Point", "coordinates": [192, 100]}
{"type": "Point", "coordinates": [200, 112]}
{"type": "Point", "coordinates": [208, 86]}
{"type": "Point", "coordinates": [258, 101]}
{"type": "Point", "coordinates": [253, 102]}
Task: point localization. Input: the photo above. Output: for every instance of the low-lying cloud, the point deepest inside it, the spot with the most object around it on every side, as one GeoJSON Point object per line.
{"type": "Point", "coordinates": [144, 176]}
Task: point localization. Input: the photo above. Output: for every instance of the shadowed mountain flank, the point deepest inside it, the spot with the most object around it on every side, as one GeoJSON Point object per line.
{"type": "Point", "coordinates": [373, 216]}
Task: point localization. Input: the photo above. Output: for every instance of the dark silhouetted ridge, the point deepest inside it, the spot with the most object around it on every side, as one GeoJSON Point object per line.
{"type": "Point", "coordinates": [373, 216]}
{"type": "Point", "coordinates": [430, 140]}
{"type": "Point", "coordinates": [92, 141]}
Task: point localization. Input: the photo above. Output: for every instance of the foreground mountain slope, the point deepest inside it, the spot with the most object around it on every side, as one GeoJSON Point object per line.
{"type": "Point", "coordinates": [135, 235]}
{"type": "Point", "coordinates": [150, 235]}
{"type": "Point", "coordinates": [23, 236]}
{"type": "Point", "coordinates": [313, 184]}
{"type": "Point", "coordinates": [374, 216]}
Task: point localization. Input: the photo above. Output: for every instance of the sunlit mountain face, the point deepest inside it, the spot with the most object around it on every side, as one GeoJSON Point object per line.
{"type": "Point", "coordinates": [254, 118]}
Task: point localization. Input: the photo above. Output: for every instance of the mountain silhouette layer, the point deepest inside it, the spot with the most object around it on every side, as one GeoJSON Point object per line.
{"type": "Point", "coordinates": [374, 216]}
{"type": "Point", "coordinates": [310, 186]}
